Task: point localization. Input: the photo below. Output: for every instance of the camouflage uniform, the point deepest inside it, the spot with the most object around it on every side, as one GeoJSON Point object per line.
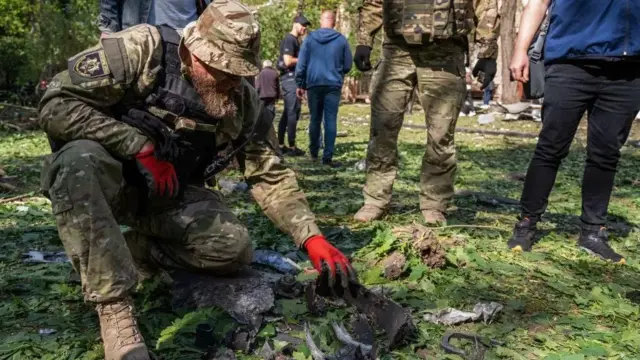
{"type": "Point", "coordinates": [419, 49]}
{"type": "Point", "coordinates": [85, 179]}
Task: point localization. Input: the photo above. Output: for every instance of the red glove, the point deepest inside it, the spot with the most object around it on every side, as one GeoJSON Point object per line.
{"type": "Point", "coordinates": [161, 176]}
{"type": "Point", "coordinates": [322, 253]}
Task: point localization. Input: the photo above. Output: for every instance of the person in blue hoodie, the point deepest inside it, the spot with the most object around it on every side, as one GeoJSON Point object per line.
{"type": "Point", "coordinates": [324, 60]}
{"type": "Point", "coordinates": [592, 63]}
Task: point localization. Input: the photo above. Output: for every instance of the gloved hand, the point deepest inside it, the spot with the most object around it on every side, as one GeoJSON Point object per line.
{"type": "Point", "coordinates": [323, 255]}
{"type": "Point", "coordinates": [362, 58]}
{"type": "Point", "coordinates": [485, 70]}
{"type": "Point", "coordinates": [161, 175]}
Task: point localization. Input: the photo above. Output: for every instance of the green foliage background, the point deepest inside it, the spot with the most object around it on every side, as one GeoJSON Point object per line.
{"type": "Point", "coordinates": [38, 36]}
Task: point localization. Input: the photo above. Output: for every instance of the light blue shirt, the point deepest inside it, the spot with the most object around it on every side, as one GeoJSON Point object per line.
{"type": "Point", "coordinates": [174, 13]}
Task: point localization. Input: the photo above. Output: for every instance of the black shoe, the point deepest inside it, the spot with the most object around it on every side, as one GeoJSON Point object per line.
{"type": "Point", "coordinates": [295, 152]}
{"type": "Point", "coordinates": [523, 237]}
{"type": "Point", "coordinates": [331, 163]}
{"type": "Point", "coordinates": [596, 242]}
{"type": "Point", "coordinates": [285, 150]}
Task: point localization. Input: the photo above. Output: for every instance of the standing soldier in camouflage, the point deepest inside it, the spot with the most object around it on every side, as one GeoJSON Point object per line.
{"type": "Point", "coordinates": [424, 46]}
{"type": "Point", "coordinates": [133, 124]}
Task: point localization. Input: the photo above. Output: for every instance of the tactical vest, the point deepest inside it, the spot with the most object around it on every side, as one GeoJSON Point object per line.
{"type": "Point", "coordinates": [423, 21]}
{"type": "Point", "coordinates": [175, 101]}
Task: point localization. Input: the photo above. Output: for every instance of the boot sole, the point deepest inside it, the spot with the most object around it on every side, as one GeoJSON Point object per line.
{"type": "Point", "coordinates": [366, 220]}
{"type": "Point", "coordinates": [137, 354]}
{"type": "Point", "coordinates": [369, 219]}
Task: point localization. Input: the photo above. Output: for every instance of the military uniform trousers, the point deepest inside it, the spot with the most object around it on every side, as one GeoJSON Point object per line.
{"type": "Point", "coordinates": [437, 70]}
{"type": "Point", "coordinates": [90, 200]}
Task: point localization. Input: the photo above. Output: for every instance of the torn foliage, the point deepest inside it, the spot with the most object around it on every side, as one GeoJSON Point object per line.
{"type": "Point", "coordinates": [425, 243]}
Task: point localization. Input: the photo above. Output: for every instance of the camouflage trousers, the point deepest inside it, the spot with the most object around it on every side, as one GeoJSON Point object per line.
{"type": "Point", "coordinates": [90, 199]}
{"type": "Point", "coordinates": [438, 72]}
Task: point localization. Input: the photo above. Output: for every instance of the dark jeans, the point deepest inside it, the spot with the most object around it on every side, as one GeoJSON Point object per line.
{"type": "Point", "coordinates": [323, 104]}
{"type": "Point", "coordinates": [487, 94]}
{"type": "Point", "coordinates": [291, 113]}
{"type": "Point", "coordinates": [610, 93]}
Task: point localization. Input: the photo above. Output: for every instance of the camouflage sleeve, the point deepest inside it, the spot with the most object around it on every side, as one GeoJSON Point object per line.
{"type": "Point", "coordinates": [273, 185]}
{"type": "Point", "coordinates": [369, 21]}
{"type": "Point", "coordinates": [119, 70]}
{"type": "Point", "coordinates": [487, 28]}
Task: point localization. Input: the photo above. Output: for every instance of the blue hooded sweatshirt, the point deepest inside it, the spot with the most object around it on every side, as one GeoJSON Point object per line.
{"type": "Point", "coordinates": [324, 59]}
{"type": "Point", "coordinates": [593, 29]}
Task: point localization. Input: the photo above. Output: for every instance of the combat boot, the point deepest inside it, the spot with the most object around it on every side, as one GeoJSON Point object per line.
{"type": "Point", "coordinates": [121, 337]}
{"type": "Point", "coordinates": [368, 213]}
{"type": "Point", "coordinates": [434, 217]}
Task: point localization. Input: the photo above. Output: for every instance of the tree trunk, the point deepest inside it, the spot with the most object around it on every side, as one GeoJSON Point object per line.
{"type": "Point", "coordinates": [343, 24]}
{"type": "Point", "coordinates": [300, 8]}
{"type": "Point", "coordinates": [507, 41]}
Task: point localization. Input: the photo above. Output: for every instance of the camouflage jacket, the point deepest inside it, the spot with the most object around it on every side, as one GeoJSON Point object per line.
{"type": "Point", "coordinates": [478, 20]}
{"type": "Point", "coordinates": [78, 105]}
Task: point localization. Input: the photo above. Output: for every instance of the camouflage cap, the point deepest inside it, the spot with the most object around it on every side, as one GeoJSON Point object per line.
{"type": "Point", "coordinates": [226, 37]}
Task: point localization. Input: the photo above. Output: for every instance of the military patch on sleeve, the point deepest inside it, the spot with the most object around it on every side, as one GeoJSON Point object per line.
{"type": "Point", "coordinates": [89, 66]}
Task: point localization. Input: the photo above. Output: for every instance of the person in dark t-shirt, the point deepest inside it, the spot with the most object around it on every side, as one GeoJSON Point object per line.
{"type": "Point", "coordinates": [289, 49]}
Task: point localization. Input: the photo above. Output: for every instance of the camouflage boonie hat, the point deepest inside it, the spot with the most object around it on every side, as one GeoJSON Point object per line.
{"type": "Point", "coordinates": [226, 37]}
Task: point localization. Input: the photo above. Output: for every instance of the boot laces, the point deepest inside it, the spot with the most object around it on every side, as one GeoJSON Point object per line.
{"type": "Point", "coordinates": [131, 323]}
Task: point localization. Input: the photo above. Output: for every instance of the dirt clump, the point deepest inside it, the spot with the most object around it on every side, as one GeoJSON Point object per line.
{"type": "Point", "coordinates": [425, 242]}
{"type": "Point", "coordinates": [393, 265]}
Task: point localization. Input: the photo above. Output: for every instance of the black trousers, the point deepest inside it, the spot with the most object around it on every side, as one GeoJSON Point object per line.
{"type": "Point", "coordinates": [269, 103]}
{"type": "Point", "coordinates": [610, 93]}
{"type": "Point", "coordinates": [291, 114]}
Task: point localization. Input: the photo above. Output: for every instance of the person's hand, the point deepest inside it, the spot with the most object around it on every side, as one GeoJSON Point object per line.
{"type": "Point", "coordinates": [324, 255]}
{"type": "Point", "coordinates": [300, 93]}
{"type": "Point", "coordinates": [485, 70]}
{"type": "Point", "coordinates": [519, 66]}
{"type": "Point", "coordinates": [362, 58]}
{"type": "Point", "coordinates": [160, 175]}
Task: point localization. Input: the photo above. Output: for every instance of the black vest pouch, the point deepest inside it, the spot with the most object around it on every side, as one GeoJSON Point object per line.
{"type": "Point", "coordinates": [175, 102]}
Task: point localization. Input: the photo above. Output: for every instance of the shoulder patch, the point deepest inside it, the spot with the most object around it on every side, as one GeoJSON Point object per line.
{"type": "Point", "coordinates": [116, 54]}
{"type": "Point", "coordinates": [89, 66]}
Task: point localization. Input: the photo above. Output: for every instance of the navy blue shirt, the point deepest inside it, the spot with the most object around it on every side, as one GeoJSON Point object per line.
{"type": "Point", "coordinates": [289, 46]}
{"type": "Point", "coordinates": [175, 13]}
{"type": "Point", "coordinates": [593, 29]}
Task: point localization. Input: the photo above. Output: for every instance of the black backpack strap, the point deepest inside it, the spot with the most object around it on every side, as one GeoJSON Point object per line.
{"type": "Point", "coordinates": [174, 93]}
{"type": "Point", "coordinates": [171, 51]}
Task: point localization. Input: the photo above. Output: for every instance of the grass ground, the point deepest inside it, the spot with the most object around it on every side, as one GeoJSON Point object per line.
{"type": "Point", "coordinates": [559, 302]}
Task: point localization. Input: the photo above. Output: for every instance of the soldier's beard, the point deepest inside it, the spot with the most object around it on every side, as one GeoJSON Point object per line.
{"type": "Point", "coordinates": [217, 98]}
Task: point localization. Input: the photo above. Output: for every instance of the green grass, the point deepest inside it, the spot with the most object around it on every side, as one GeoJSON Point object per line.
{"type": "Point", "coordinates": [559, 302]}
